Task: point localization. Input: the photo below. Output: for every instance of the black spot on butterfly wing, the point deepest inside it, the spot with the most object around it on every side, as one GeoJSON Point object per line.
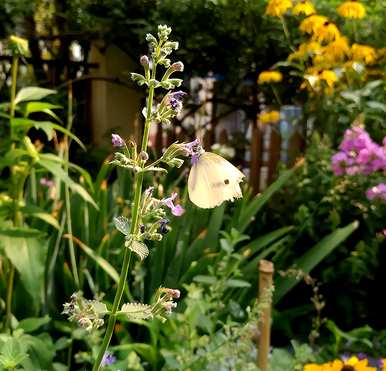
{"type": "Point", "coordinates": [226, 181]}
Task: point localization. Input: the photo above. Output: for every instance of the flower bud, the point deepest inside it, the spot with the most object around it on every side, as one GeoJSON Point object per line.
{"type": "Point", "coordinates": [177, 66]}
{"type": "Point", "coordinates": [144, 60]}
{"type": "Point", "coordinates": [143, 156]}
{"type": "Point", "coordinates": [117, 141]}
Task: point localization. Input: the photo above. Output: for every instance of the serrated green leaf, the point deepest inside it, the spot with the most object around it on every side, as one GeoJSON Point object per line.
{"type": "Point", "coordinates": [139, 248]}
{"type": "Point", "coordinates": [100, 307]}
{"type": "Point", "coordinates": [136, 310]}
{"type": "Point", "coordinates": [122, 224]}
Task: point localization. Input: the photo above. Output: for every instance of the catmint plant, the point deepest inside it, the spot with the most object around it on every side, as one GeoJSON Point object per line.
{"type": "Point", "coordinates": [212, 180]}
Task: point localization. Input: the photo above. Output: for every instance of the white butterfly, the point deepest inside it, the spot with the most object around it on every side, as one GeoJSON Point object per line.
{"type": "Point", "coordinates": [213, 180]}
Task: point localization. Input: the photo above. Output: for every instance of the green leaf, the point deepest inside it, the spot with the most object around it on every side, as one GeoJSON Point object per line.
{"type": "Point", "coordinates": [312, 258]}
{"type": "Point", "coordinates": [248, 213]}
{"type": "Point", "coordinates": [209, 280]}
{"type": "Point", "coordinates": [33, 107]}
{"type": "Point", "coordinates": [32, 324]}
{"type": "Point", "coordinates": [136, 311]}
{"type": "Point", "coordinates": [28, 255]}
{"type": "Point", "coordinates": [55, 168]}
{"type": "Point", "coordinates": [11, 157]}
{"type": "Point", "coordinates": [12, 353]}
{"type": "Point", "coordinates": [104, 264]}
{"type": "Point", "coordinates": [237, 283]}
{"type": "Point", "coordinates": [47, 126]}
{"type": "Point", "coordinates": [21, 232]}
{"type": "Point", "coordinates": [32, 93]}
{"type": "Point", "coordinates": [259, 243]}
{"type": "Point", "coordinates": [37, 212]}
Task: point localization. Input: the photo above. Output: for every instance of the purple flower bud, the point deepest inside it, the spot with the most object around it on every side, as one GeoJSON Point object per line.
{"type": "Point", "coordinates": [144, 60]}
{"type": "Point", "coordinates": [177, 66]}
{"type": "Point", "coordinates": [117, 141]}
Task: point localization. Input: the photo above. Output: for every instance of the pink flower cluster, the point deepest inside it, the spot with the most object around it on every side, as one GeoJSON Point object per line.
{"type": "Point", "coordinates": [377, 192]}
{"type": "Point", "coordinates": [360, 155]}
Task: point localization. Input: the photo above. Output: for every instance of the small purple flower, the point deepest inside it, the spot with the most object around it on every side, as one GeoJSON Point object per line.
{"type": "Point", "coordinates": [177, 210]}
{"type": "Point", "coordinates": [362, 356]}
{"type": "Point", "coordinates": [380, 363]}
{"type": "Point", "coordinates": [108, 359]}
{"type": "Point", "coordinates": [175, 100]}
{"type": "Point", "coordinates": [377, 192]}
{"type": "Point", "coordinates": [47, 182]}
{"type": "Point", "coordinates": [191, 146]}
{"type": "Point", "coordinates": [117, 141]}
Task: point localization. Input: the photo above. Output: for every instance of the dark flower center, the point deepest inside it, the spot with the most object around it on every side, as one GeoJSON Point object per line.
{"type": "Point", "coordinates": [347, 368]}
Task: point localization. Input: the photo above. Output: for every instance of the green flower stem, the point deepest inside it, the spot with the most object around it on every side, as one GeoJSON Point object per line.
{"type": "Point", "coordinates": [17, 217]}
{"type": "Point", "coordinates": [12, 105]}
{"type": "Point", "coordinates": [133, 230]}
{"type": "Point", "coordinates": [286, 33]}
{"type": "Point", "coordinates": [74, 266]}
{"type": "Point", "coordinates": [275, 93]}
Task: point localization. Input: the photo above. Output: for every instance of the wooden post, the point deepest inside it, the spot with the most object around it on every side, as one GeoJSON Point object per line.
{"type": "Point", "coordinates": [264, 326]}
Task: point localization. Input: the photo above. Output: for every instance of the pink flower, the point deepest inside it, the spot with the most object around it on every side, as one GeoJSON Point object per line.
{"type": "Point", "coordinates": [377, 192]}
{"type": "Point", "coordinates": [177, 210]}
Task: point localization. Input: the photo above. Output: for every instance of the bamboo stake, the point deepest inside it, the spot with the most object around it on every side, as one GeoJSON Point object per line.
{"type": "Point", "coordinates": [264, 326]}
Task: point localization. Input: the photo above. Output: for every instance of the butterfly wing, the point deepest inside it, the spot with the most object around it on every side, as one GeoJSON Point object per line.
{"type": "Point", "coordinates": [213, 180]}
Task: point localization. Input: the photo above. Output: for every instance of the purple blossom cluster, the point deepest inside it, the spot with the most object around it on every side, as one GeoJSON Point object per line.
{"type": "Point", "coordinates": [360, 155]}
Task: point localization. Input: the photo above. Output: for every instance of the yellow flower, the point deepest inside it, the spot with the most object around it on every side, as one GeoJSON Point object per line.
{"type": "Point", "coordinates": [269, 76]}
{"type": "Point", "coordinates": [351, 364]}
{"type": "Point", "coordinates": [352, 9]}
{"type": "Point", "coordinates": [305, 50]}
{"type": "Point", "coordinates": [276, 8]}
{"type": "Point", "coordinates": [311, 23]}
{"type": "Point", "coordinates": [314, 80]}
{"type": "Point", "coordinates": [337, 50]}
{"type": "Point", "coordinates": [363, 53]}
{"type": "Point", "coordinates": [329, 77]}
{"type": "Point", "coordinates": [354, 362]}
{"type": "Point", "coordinates": [304, 7]}
{"type": "Point", "coordinates": [272, 117]}
{"type": "Point", "coordinates": [326, 32]}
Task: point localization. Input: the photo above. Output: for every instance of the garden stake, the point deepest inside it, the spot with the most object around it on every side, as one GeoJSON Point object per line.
{"type": "Point", "coordinates": [264, 326]}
